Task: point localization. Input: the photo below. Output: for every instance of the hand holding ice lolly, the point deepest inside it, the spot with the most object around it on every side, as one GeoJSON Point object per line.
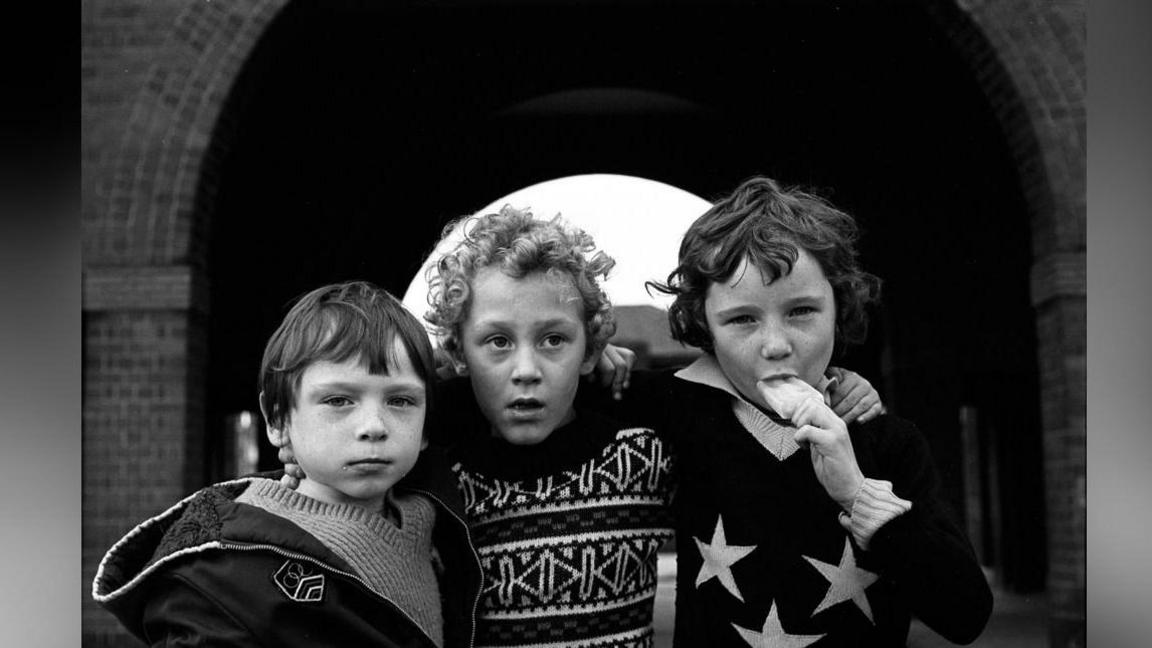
{"type": "Point", "coordinates": [785, 395]}
{"type": "Point", "coordinates": [826, 435]}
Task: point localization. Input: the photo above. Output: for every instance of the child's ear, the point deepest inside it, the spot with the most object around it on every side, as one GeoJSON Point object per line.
{"type": "Point", "coordinates": [276, 436]}
{"type": "Point", "coordinates": [461, 367]}
{"type": "Point", "coordinates": [589, 363]}
{"type": "Point", "coordinates": [447, 365]}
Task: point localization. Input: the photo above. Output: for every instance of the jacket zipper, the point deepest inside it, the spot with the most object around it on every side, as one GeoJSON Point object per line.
{"type": "Point", "coordinates": [324, 565]}
{"type": "Point", "coordinates": [475, 557]}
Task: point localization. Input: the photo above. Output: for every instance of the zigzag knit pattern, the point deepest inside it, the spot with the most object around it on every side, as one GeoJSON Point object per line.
{"type": "Point", "coordinates": [570, 558]}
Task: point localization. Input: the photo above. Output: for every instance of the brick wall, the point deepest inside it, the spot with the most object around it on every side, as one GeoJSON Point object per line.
{"type": "Point", "coordinates": [155, 78]}
{"type": "Point", "coordinates": [1029, 58]}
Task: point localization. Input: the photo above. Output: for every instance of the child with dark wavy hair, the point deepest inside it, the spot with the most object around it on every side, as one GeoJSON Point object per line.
{"type": "Point", "coordinates": [793, 525]}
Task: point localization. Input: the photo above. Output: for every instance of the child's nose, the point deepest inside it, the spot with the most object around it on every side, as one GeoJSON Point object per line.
{"type": "Point", "coordinates": [774, 343]}
{"type": "Point", "coordinates": [373, 426]}
{"type": "Point", "coordinates": [526, 368]}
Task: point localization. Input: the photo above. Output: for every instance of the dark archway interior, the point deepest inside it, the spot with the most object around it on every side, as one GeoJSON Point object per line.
{"type": "Point", "coordinates": [360, 128]}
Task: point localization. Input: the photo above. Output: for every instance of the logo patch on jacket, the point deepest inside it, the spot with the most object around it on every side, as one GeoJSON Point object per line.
{"type": "Point", "coordinates": [300, 581]}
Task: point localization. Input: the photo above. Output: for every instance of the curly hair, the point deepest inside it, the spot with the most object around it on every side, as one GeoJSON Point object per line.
{"type": "Point", "coordinates": [334, 323]}
{"type": "Point", "coordinates": [518, 244]}
{"type": "Point", "coordinates": [768, 225]}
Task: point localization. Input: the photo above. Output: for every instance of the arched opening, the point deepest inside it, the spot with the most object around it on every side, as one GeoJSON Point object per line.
{"type": "Point", "coordinates": [639, 222]}
{"type": "Point", "coordinates": [364, 127]}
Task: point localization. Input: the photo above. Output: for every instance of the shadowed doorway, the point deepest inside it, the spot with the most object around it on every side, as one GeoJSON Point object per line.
{"type": "Point", "coordinates": [357, 130]}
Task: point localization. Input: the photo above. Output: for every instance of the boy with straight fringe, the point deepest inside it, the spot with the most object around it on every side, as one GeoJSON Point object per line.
{"type": "Point", "coordinates": [371, 549]}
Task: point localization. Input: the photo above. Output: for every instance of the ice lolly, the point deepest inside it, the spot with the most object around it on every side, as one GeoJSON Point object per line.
{"type": "Point", "coordinates": [784, 395]}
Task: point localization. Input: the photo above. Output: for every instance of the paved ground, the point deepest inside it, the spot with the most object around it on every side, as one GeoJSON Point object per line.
{"type": "Point", "coordinates": [1018, 621]}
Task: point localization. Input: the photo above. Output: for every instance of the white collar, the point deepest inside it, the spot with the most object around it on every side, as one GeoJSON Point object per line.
{"type": "Point", "coordinates": [705, 370]}
{"type": "Point", "coordinates": [776, 437]}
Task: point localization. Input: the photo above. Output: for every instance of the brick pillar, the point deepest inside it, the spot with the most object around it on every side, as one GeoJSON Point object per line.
{"type": "Point", "coordinates": [1028, 56]}
{"type": "Point", "coordinates": [1059, 296]}
{"type": "Point", "coordinates": [143, 429]}
{"type": "Point", "coordinates": [155, 80]}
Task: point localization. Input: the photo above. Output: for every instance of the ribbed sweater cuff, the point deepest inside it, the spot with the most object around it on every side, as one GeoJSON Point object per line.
{"type": "Point", "coordinates": [875, 504]}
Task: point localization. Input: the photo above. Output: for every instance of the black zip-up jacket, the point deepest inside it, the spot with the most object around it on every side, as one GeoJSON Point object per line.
{"type": "Point", "coordinates": [213, 572]}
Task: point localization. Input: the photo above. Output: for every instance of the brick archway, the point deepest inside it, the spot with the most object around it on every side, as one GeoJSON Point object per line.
{"type": "Point", "coordinates": [1028, 57]}
{"type": "Point", "coordinates": [148, 196]}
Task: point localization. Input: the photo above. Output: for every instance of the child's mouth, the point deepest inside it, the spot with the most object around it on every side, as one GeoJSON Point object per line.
{"type": "Point", "coordinates": [525, 406]}
{"type": "Point", "coordinates": [373, 461]}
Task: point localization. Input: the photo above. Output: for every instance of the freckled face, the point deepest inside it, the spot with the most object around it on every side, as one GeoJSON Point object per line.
{"type": "Point", "coordinates": [785, 328]}
{"type": "Point", "coordinates": [356, 434]}
{"type": "Point", "coordinates": [524, 344]}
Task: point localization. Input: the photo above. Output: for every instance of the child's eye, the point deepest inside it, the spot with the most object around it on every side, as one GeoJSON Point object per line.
{"type": "Point", "coordinates": [803, 310]}
{"type": "Point", "coordinates": [337, 401]}
{"type": "Point", "coordinates": [402, 401]}
{"type": "Point", "coordinates": [554, 340]}
{"type": "Point", "coordinates": [740, 319]}
{"type": "Point", "coordinates": [499, 342]}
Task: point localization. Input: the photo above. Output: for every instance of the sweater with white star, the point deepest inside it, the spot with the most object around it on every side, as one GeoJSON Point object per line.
{"type": "Point", "coordinates": [762, 558]}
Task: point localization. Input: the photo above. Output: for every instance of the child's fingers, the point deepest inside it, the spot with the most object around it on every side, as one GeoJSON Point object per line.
{"type": "Point", "coordinates": [623, 372]}
{"type": "Point", "coordinates": [607, 366]}
{"type": "Point", "coordinates": [813, 411]}
{"type": "Point", "coordinates": [862, 406]}
{"type": "Point", "coordinates": [814, 436]}
{"type": "Point", "coordinates": [876, 410]}
{"type": "Point", "coordinates": [615, 369]}
{"type": "Point", "coordinates": [823, 430]}
{"type": "Point", "coordinates": [285, 455]}
{"type": "Point", "coordinates": [848, 397]}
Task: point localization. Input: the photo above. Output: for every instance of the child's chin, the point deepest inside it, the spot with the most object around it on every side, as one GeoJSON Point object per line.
{"type": "Point", "coordinates": [524, 435]}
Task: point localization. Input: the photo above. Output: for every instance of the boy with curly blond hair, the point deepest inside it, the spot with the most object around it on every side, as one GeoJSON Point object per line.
{"type": "Point", "coordinates": [567, 507]}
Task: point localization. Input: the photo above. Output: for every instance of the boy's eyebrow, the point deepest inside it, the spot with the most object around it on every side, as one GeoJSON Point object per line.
{"type": "Point", "coordinates": [556, 321]}
{"type": "Point", "coordinates": [395, 383]}
{"type": "Point", "coordinates": [738, 308]}
{"type": "Point", "coordinates": [791, 299]}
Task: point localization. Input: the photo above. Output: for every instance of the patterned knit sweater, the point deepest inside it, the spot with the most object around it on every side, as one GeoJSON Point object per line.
{"type": "Point", "coordinates": [567, 531]}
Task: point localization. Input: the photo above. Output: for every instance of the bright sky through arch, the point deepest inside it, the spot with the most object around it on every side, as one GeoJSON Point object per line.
{"type": "Point", "coordinates": [637, 221]}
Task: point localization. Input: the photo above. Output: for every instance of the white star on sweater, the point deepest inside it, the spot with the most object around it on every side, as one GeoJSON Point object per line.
{"type": "Point", "coordinates": [718, 559]}
{"type": "Point", "coordinates": [846, 581]}
{"type": "Point", "coordinates": [772, 635]}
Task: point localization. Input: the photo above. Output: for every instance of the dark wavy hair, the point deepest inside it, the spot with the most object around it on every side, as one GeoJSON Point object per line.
{"type": "Point", "coordinates": [518, 244]}
{"type": "Point", "coordinates": [334, 323]}
{"type": "Point", "coordinates": [768, 225]}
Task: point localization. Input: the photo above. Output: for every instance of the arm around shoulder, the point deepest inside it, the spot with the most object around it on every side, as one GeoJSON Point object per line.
{"type": "Point", "coordinates": [925, 550]}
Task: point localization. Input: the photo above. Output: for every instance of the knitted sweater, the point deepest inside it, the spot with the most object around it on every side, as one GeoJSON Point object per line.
{"type": "Point", "coordinates": [394, 560]}
{"type": "Point", "coordinates": [762, 558]}
{"type": "Point", "coordinates": [567, 532]}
